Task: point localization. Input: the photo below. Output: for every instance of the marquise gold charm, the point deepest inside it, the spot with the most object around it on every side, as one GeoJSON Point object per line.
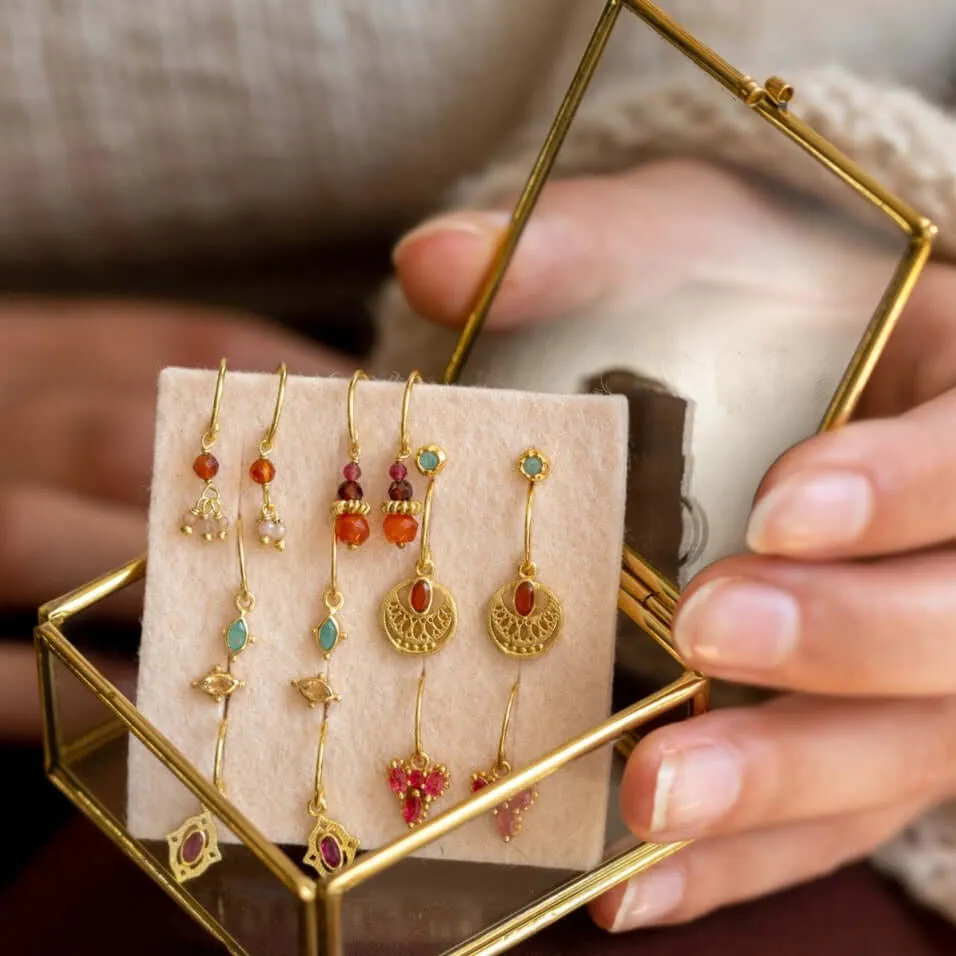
{"type": "Point", "coordinates": [219, 683]}
{"type": "Point", "coordinates": [317, 690]}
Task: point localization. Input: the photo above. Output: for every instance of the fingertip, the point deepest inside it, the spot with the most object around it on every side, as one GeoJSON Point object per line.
{"type": "Point", "coordinates": [440, 263]}
{"type": "Point", "coordinates": [605, 909]}
{"type": "Point", "coordinates": [638, 787]}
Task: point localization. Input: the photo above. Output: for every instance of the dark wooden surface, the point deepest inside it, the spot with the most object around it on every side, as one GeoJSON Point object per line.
{"type": "Point", "coordinates": [80, 896]}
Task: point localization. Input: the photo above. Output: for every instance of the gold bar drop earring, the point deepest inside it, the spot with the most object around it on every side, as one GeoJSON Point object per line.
{"type": "Point", "coordinates": [524, 619]}
{"type": "Point", "coordinates": [194, 846]}
{"type": "Point", "coordinates": [330, 845]}
{"type": "Point", "coordinates": [205, 519]}
{"type": "Point", "coordinates": [270, 528]}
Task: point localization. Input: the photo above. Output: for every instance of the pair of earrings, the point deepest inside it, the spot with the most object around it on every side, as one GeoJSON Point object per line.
{"type": "Point", "coordinates": [205, 519]}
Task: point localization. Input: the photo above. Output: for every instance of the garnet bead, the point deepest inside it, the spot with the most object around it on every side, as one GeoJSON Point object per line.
{"type": "Point", "coordinates": [416, 780]}
{"type": "Point", "coordinates": [206, 466]}
{"type": "Point", "coordinates": [397, 780]}
{"type": "Point", "coordinates": [398, 472]}
{"type": "Point", "coordinates": [524, 598]}
{"type": "Point", "coordinates": [435, 784]}
{"type": "Point", "coordinates": [412, 809]}
{"type": "Point", "coordinates": [478, 783]}
{"type": "Point", "coordinates": [262, 471]}
{"type": "Point", "coordinates": [350, 491]}
{"type": "Point", "coordinates": [352, 530]}
{"type": "Point", "coordinates": [400, 491]}
{"type": "Point", "coordinates": [331, 852]}
{"type": "Point", "coordinates": [352, 471]}
{"type": "Point", "coordinates": [400, 529]}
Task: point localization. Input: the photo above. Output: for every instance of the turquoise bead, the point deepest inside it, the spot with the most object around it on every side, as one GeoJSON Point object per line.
{"type": "Point", "coordinates": [328, 634]}
{"type": "Point", "coordinates": [533, 466]}
{"type": "Point", "coordinates": [428, 461]}
{"type": "Point", "coordinates": [237, 636]}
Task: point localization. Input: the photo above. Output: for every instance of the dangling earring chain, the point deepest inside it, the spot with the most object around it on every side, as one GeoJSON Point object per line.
{"type": "Point", "coordinates": [269, 527]}
{"type": "Point", "coordinates": [205, 519]}
{"type": "Point", "coordinates": [330, 845]}
{"type": "Point", "coordinates": [194, 846]}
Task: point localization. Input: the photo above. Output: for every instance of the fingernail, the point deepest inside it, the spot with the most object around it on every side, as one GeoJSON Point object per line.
{"type": "Point", "coordinates": [695, 787]}
{"type": "Point", "coordinates": [736, 624]}
{"type": "Point", "coordinates": [485, 226]}
{"type": "Point", "coordinates": [650, 897]}
{"type": "Point", "coordinates": [810, 512]}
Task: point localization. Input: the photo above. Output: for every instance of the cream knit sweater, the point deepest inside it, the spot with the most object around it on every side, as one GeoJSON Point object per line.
{"type": "Point", "coordinates": [193, 128]}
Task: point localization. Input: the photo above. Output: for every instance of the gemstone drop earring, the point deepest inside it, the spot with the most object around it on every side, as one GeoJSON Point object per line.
{"type": "Point", "coordinates": [269, 526]}
{"type": "Point", "coordinates": [400, 523]}
{"type": "Point", "coordinates": [205, 519]}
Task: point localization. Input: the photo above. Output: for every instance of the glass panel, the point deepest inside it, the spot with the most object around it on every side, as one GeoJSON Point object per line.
{"type": "Point", "coordinates": [239, 893]}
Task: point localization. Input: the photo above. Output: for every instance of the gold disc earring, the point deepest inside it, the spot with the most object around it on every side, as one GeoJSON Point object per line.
{"type": "Point", "coordinates": [509, 815]}
{"type": "Point", "coordinates": [270, 528]}
{"type": "Point", "coordinates": [524, 619]}
{"type": "Point", "coordinates": [194, 846]}
{"type": "Point", "coordinates": [330, 845]}
{"type": "Point", "coordinates": [205, 519]}
{"type": "Point", "coordinates": [400, 524]}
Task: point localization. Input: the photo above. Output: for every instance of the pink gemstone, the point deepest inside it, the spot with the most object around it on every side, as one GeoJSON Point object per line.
{"type": "Point", "coordinates": [479, 783]}
{"type": "Point", "coordinates": [192, 847]}
{"type": "Point", "coordinates": [523, 800]}
{"type": "Point", "coordinates": [412, 809]}
{"type": "Point", "coordinates": [435, 784]}
{"type": "Point", "coordinates": [506, 821]}
{"type": "Point", "coordinates": [331, 852]}
{"type": "Point", "coordinates": [398, 472]}
{"type": "Point", "coordinates": [397, 780]}
{"type": "Point", "coordinates": [416, 780]}
{"type": "Point", "coordinates": [352, 471]}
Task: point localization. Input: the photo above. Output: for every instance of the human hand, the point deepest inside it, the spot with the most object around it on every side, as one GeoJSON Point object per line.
{"type": "Point", "coordinates": [78, 384]}
{"type": "Point", "coordinates": [860, 744]}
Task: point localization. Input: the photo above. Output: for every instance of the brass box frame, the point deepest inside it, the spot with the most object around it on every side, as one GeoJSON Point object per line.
{"type": "Point", "coordinates": [645, 596]}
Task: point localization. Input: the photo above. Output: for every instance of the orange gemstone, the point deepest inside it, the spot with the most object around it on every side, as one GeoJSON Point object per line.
{"type": "Point", "coordinates": [262, 471]}
{"type": "Point", "coordinates": [206, 466]}
{"type": "Point", "coordinates": [524, 598]}
{"type": "Point", "coordinates": [400, 529]}
{"type": "Point", "coordinates": [421, 596]}
{"type": "Point", "coordinates": [352, 530]}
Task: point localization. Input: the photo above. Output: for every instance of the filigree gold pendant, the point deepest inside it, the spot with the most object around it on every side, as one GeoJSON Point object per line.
{"type": "Point", "coordinates": [419, 616]}
{"type": "Point", "coordinates": [331, 847]}
{"type": "Point", "coordinates": [193, 847]}
{"type": "Point", "coordinates": [524, 617]}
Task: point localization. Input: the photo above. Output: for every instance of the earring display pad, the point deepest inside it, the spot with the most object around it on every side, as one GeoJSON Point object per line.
{"type": "Point", "coordinates": [477, 543]}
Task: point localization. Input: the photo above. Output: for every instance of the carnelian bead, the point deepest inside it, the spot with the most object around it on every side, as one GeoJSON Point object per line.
{"type": "Point", "coordinates": [524, 598]}
{"type": "Point", "coordinates": [352, 530]}
{"type": "Point", "coordinates": [262, 471]}
{"type": "Point", "coordinates": [206, 466]}
{"type": "Point", "coordinates": [400, 529]}
{"type": "Point", "coordinates": [421, 596]}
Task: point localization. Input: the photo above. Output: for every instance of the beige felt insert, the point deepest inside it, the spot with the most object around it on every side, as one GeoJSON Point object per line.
{"type": "Point", "coordinates": [477, 538]}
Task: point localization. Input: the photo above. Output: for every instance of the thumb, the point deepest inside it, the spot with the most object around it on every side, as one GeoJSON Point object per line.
{"type": "Point", "coordinates": [588, 238]}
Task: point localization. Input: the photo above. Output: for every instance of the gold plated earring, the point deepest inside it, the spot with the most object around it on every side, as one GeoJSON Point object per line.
{"type": "Point", "coordinates": [400, 523]}
{"type": "Point", "coordinates": [330, 845]}
{"type": "Point", "coordinates": [417, 780]}
{"type": "Point", "coordinates": [419, 616]}
{"type": "Point", "coordinates": [351, 510]}
{"type": "Point", "coordinates": [524, 619]}
{"type": "Point", "coordinates": [194, 846]}
{"type": "Point", "coordinates": [205, 519]}
{"type": "Point", "coordinates": [270, 528]}
{"type": "Point", "coordinates": [509, 815]}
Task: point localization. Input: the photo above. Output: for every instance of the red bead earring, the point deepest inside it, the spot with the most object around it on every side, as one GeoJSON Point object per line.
{"type": "Point", "coordinates": [269, 525]}
{"type": "Point", "coordinates": [351, 510]}
{"type": "Point", "coordinates": [400, 524]}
